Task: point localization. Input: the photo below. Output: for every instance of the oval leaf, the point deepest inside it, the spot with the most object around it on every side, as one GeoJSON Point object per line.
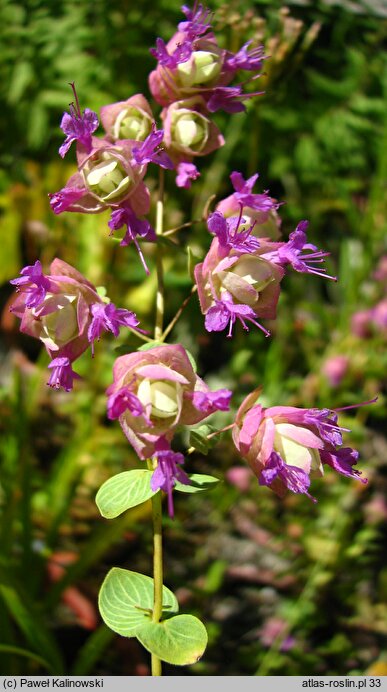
{"type": "Point", "coordinates": [199, 482]}
{"type": "Point", "coordinates": [123, 491]}
{"type": "Point", "coordinates": [126, 601]}
{"type": "Point", "coordinates": [181, 640]}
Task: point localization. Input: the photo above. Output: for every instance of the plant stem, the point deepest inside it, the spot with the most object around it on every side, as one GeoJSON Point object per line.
{"type": "Point", "coordinates": [156, 499]}
{"type": "Point", "coordinates": [171, 231]}
{"type": "Point", "coordinates": [184, 304]}
{"type": "Point", "coordinates": [157, 566]}
{"type": "Point", "coordinates": [159, 260]}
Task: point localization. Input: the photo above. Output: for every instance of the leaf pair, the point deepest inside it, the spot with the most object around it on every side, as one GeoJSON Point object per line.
{"type": "Point", "coordinates": [126, 603]}
{"type": "Point", "coordinates": [131, 488]}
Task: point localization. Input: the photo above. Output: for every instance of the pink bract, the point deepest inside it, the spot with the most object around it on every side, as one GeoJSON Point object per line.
{"type": "Point", "coordinates": [163, 381]}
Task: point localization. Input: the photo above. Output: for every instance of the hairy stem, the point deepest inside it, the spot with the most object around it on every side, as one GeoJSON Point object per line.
{"type": "Point", "coordinates": [159, 260]}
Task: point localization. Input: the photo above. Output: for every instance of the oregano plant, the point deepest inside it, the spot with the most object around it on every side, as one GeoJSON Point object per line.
{"type": "Point", "coordinates": [156, 392]}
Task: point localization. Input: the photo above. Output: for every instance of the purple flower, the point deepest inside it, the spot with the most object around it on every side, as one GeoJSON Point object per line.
{"type": "Point", "coordinates": [295, 479]}
{"type": "Point", "coordinates": [33, 283]}
{"type": "Point", "coordinates": [290, 253]}
{"type": "Point", "coordinates": [167, 471]}
{"type": "Point", "coordinates": [245, 59]}
{"type": "Point", "coordinates": [106, 317]}
{"type": "Point", "coordinates": [286, 446]}
{"type": "Point", "coordinates": [185, 173]}
{"type": "Point", "coordinates": [228, 234]}
{"type": "Point", "coordinates": [125, 216]}
{"type": "Point", "coordinates": [63, 199]}
{"type": "Point", "coordinates": [229, 99]}
{"type": "Point", "coordinates": [62, 374]}
{"type": "Point", "coordinates": [78, 127]}
{"type": "Point", "coordinates": [224, 313]}
{"type": "Point", "coordinates": [151, 151]}
{"type": "Point", "coordinates": [245, 196]}
{"type": "Point", "coordinates": [197, 22]}
{"type": "Point", "coordinates": [342, 460]}
{"type": "Point", "coordinates": [208, 402]}
{"type": "Point", "coordinates": [182, 53]}
{"type": "Point", "coordinates": [124, 400]}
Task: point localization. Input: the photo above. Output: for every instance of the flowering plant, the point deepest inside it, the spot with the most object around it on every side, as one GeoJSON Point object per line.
{"type": "Point", "coordinates": [156, 392]}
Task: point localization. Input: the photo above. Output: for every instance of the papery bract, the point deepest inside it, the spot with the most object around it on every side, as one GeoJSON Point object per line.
{"type": "Point", "coordinates": [286, 446]}
{"type": "Point", "coordinates": [107, 177]}
{"type": "Point", "coordinates": [233, 284]}
{"type": "Point", "coordinates": [130, 119]}
{"type": "Point", "coordinates": [188, 132]}
{"type": "Point", "coordinates": [66, 313]}
{"type": "Point", "coordinates": [163, 380]}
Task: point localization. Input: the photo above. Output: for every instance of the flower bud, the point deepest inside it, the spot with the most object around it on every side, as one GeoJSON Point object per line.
{"type": "Point", "coordinates": [162, 398]}
{"type": "Point", "coordinates": [107, 178]}
{"type": "Point", "coordinates": [248, 272]}
{"type": "Point", "coordinates": [132, 123]}
{"type": "Point", "coordinates": [60, 326]}
{"type": "Point", "coordinates": [202, 67]}
{"type": "Point", "coordinates": [187, 130]}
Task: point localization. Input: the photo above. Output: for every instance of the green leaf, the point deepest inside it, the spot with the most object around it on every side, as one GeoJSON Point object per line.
{"type": "Point", "coordinates": [199, 438]}
{"type": "Point", "coordinates": [126, 601]}
{"type": "Point", "coordinates": [151, 344]}
{"type": "Point", "coordinates": [92, 651]}
{"type": "Point", "coordinates": [199, 482]}
{"type": "Point", "coordinates": [32, 626]}
{"type": "Point", "coordinates": [123, 491]}
{"type": "Point", "coordinates": [9, 649]}
{"type": "Point", "coordinates": [181, 640]}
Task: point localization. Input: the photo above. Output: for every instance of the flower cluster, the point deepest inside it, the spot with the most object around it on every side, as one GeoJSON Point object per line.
{"type": "Point", "coordinates": [153, 392]}
{"type": "Point", "coordinates": [241, 273]}
{"type": "Point", "coordinates": [156, 390]}
{"type": "Point", "coordinates": [286, 446]}
{"type": "Point", "coordinates": [65, 312]}
{"type": "Point", "coordinates": [110, 169]}
{"type": "Point", "coordinates": [191, 81]}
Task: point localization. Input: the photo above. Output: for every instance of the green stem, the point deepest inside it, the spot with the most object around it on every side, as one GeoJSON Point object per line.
{"type": "Point", "coordinates": [178, 314]}
{"type": "Point", "coordinates": [156, 499]}
{"type": "Point", "coordinates": [159, 260]}
{"type": "Point", "coordinates": [157, 567]}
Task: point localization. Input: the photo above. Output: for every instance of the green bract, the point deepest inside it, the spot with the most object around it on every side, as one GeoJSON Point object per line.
{"type": "Point", "coordinates": [189, 130]}
{"type": "Point", "coordinates": [107, 178]}
{"type": "Point", "coordinates": [131, 123]}
{"type": "Point", "coordinates": [202, 67]}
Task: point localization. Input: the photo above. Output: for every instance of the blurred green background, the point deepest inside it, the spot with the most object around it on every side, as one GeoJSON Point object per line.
{"type": "Point", "coordinates": [284, 587]}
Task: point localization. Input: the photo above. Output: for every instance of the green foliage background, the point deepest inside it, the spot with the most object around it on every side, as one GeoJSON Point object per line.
{"type": "Point", "coordinates": [285, 587]}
